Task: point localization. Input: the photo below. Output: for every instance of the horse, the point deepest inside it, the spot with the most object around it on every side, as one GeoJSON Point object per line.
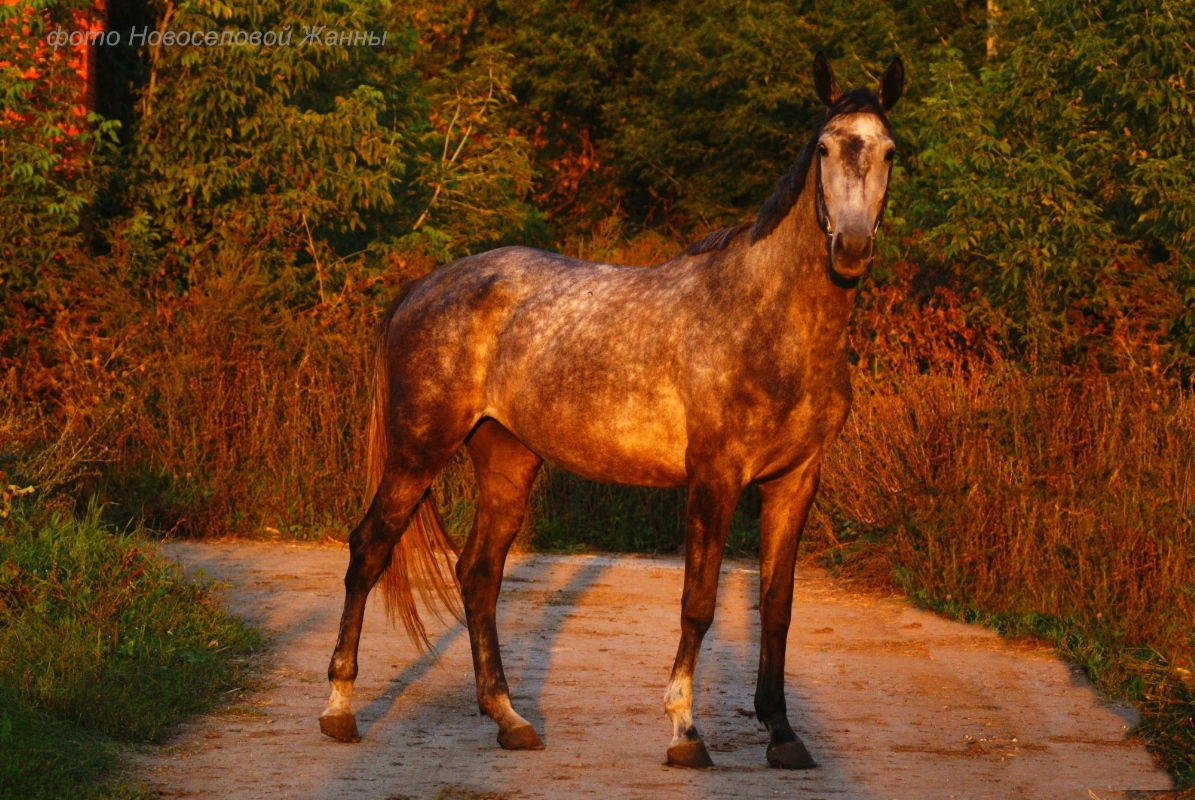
{"type": "Point", "coordinates": [721, 367]}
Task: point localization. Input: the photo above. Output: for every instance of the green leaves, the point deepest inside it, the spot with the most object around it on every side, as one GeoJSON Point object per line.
{"type": "Point", "coordinates": [294, 151]}
{"type": "Point", "coordinates": [472, 168]}
{"type": "Point", "coordinates": [1052, 184]}
{"type": "Point", "coordinates": [50, 153]}
{"type": "Point", "coordinates": [1051, 179]}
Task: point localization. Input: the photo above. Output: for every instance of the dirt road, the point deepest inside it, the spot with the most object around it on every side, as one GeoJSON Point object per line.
{"type": "Point", "coordinates": [893, 702]}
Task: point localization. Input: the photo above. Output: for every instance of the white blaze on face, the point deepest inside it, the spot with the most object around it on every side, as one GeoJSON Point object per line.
{"type": "Point", "coordinates": [854, 151]}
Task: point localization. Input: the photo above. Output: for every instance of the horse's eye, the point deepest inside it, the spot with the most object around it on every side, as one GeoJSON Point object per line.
{"type": "Point", "coordinates": [891, 154]}
{"type": "Point", "coordinates": [822, 150]}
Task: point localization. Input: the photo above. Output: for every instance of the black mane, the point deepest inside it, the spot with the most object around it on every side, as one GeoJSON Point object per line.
{"type": "Point", "coordinates": [716, 240]}
{"type": "Point", "coordinates": [788, 188]}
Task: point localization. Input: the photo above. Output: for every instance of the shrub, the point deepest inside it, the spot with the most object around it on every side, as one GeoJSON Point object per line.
{"type": "Point", "coordinates": [50, 171]}
{"type": "Point", "coordinates": [1058, 179]}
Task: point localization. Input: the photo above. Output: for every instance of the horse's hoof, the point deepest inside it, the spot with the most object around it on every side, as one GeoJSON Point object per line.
{"type": "Point", "coordinates": [790, 755]}
{"type": "Point", "coordinates": [689, 754]}
{"type": "Point", "coordinates": [520, 737]}
{"type": "Point", "coordinates": [341, 727]}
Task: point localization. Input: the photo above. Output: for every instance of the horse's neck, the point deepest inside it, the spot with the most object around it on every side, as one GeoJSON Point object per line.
{"type": "Point", "coordinates": [790, 275]}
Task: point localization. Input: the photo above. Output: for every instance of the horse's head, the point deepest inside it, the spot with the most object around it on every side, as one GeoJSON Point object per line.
{"type": "Point", "coordinates": [853, 162]}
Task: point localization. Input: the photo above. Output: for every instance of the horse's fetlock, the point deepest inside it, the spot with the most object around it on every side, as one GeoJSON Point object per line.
{"type": "Point", "coordinates": [342, 670]}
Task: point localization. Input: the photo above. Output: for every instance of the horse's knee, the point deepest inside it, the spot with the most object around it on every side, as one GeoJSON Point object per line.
{"type": "Point", "coordinates": [696, 618]}
{"type": "Point", "coordinates": [773, 626]}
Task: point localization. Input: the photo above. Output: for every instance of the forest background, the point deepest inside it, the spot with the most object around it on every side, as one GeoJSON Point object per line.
{"type": "Point", "coordinates": [191, 278]}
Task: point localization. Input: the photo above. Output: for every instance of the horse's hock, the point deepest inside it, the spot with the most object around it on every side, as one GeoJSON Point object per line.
{"type": "Point", "coordinates": [895, 702]}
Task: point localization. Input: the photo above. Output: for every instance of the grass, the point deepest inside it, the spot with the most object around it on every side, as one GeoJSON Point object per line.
{"type": "Point", "coordinates": [102, 632]}
{"type": "Point", "coordinates": [43, 758]}
{"type": "Point", "coordinates": [103, 642]}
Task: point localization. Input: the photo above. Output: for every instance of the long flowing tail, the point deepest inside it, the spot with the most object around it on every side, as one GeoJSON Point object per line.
{"type": "Point", "coordinates": [423, 557]}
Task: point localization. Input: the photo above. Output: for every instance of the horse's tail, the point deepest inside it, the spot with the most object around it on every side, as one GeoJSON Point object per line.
{"type": "Point", "coordinates": [423, 557]}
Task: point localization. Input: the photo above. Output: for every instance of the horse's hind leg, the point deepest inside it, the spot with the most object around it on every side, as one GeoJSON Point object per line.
{"type": "Point", "coordinates": [786, 503]}
{"type": "Point", "coordinates": [370, 547]}
{"type": "Point", "coordinates": [505, 472]}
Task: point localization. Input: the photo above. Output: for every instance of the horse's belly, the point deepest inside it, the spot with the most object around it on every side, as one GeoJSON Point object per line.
{"type": "Point", "coordinates": [638, 441]}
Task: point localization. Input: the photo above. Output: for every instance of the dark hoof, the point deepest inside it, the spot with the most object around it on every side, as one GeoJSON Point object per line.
{"type": "Point", "coordinates": [689, 754]}
{"type": "Point", "coordinates": [790, 755]}
{"type": "Point", "coordinates": [522, 737]}
{"type": "Point", "coordinates": [341, 727]}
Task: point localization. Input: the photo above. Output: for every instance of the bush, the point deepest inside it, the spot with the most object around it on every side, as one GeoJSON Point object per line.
{"type": "Point", "coordinates": [50, 164]}
{"type": "Point", "coordinates": [1058, 179]}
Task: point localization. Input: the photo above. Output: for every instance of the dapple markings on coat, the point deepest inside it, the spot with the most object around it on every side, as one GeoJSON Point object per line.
{"type": "Point", "coordinates": [723, 366]}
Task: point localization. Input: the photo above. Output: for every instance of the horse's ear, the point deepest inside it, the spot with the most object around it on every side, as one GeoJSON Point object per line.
{"type": "Point", "coordinates": [892, 84]}
{"type": "Point", "coordinates": [823, 79]}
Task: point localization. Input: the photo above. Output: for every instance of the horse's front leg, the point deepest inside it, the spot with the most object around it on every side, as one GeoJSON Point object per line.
{"type": "Point", "coordinates": [707, 521]}
{"type": "Point", "coordinates": [786, 504]}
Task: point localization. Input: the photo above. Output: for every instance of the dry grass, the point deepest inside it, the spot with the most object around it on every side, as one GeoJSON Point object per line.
{"type": "Point", "coordinates": [1059, 506]}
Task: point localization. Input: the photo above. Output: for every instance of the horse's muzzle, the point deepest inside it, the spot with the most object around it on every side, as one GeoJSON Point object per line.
{"type": "Point", "coordinates": [850, 253]}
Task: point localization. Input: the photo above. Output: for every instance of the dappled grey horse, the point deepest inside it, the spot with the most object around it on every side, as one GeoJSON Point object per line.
{"type": "Point", "coordinates": [723, 366]}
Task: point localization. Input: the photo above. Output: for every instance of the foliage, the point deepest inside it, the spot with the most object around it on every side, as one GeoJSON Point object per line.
{"type": "Point", "coordinates": [304, 155]}
{"type": "Point", "coordinates": [678, 116]}
{"type": "Point", "coordinates": [1059, 179]}
{"type": "Point", "coordinates": [49, 170]}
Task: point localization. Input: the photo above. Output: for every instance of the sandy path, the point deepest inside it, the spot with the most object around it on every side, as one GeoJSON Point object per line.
{"type": "Point", "coordinates": [893, 702]}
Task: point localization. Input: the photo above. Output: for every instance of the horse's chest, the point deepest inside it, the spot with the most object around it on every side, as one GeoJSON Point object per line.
{"type": "Point", "coordinates": [800, 425]}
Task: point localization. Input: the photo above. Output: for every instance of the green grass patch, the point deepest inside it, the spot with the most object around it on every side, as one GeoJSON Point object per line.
{"type": "Point", "coordinates": [102, 642]}
{"type": "Point", "coordinates": [43, 758]}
